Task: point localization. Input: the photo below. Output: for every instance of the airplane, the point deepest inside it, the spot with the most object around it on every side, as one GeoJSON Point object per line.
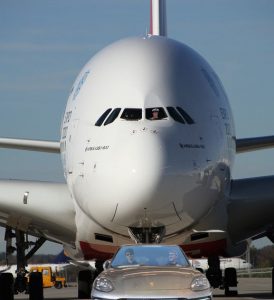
{"type": "Point", "coordinates": [233, 262]}
{"type": "Point", "coordinates": [147, 145]}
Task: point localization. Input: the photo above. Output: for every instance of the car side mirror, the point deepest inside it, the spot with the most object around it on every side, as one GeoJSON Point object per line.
{"type": "Point", "coordinates": [106, 264]}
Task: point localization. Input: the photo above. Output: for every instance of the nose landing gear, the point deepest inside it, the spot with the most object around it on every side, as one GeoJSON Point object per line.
{"type": "Point", "coordinates": [147, 234]}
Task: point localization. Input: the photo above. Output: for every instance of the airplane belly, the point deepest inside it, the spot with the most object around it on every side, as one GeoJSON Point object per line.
{"type": "Point", "coordinates": [177, 203]}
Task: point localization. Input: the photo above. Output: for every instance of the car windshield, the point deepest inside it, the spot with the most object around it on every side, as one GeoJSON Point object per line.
{"type": "Point", "coordinates": [149, 255]}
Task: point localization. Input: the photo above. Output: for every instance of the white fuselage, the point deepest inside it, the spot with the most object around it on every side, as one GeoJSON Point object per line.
{"type": "Point", "coordinates": [146, 172]}
{"type": "Point", "coordinates": [234, 262]}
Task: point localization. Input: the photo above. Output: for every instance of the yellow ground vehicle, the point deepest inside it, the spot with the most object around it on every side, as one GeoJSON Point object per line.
{"type": "Point", "coordinates": [50, 278]}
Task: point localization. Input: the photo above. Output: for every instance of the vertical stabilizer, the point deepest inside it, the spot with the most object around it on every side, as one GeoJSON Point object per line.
{"type": "Point", "coordinates": [158, 17]}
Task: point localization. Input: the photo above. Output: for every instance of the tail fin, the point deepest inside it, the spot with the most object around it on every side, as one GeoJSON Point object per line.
{"type": "Point", "coordinates": [158, 17]}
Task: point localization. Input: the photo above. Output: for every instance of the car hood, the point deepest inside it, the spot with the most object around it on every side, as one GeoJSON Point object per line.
{"type": "Point", "coordinates": [150, 279]}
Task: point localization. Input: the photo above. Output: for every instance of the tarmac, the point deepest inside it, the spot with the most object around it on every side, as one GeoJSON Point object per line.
{"type": "Point", "coordinates": [248, 289]}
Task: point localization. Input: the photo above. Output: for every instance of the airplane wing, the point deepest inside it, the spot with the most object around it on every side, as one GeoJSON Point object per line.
{"type": "Point", "coordinates": [251, 208]}
{"type": "Point", "coordinates": [251, 201]}
{"type": "Point", "coordinates": [33, 145]}
{"type": "Point", "coordinates": [42, 209]}
{"type": "Point", "coordinates": [256, 143]}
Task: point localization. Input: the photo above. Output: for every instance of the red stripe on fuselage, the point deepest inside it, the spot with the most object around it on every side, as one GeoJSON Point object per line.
{"type": "Point", "coordinates": [205, 249]}
{"type": "Point", "coordinates": [197, 250]}
{"type": "Point", "coordinates": [100, 252]}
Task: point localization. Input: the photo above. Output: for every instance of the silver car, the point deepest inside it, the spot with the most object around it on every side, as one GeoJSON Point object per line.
{"type": "Point", "coordinates": [150, 272]}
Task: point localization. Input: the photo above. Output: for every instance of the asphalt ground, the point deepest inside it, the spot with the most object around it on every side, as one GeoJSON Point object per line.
{"type": "Point", "coordinates": [248, 289]}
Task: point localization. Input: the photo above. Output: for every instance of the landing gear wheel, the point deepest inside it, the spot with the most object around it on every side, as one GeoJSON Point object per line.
{"type": "Point", "coordinates": [20, 283]}
{"type": "Point", "coordinates": [6, 286]}
{"type": "Point", "coordinates": [214, 277]}
{"type": "Point", "coordinates": [36, 286]}
{"type": "Point", "coordinates": [230, 282]}
{"type": "Point", "coordinates": [84, 284]}
{"type": "Point", "coordinates": [214, 273]}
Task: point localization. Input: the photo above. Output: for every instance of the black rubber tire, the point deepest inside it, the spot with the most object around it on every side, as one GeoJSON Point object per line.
{"type": "Point", "coordinates": [231, 276]}
{"type": "Point", "coordinates": [230, 281]}
{"type": "Point", "coordinates": [84, 284]}
{"type": "Point", "coordinates": [20, 283]}
{"type": "Point", "coordinates": [36, 291]}
{"type": "Point", "coordinates": [214, 277]}
{"type": "Point", "coordinates": [6, 286]}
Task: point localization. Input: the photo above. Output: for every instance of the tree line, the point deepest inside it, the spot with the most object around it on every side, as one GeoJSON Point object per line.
{"type": "Point", "coordinates": [35, 259]}
{"type": "Point", "coordinates": [262, 258]}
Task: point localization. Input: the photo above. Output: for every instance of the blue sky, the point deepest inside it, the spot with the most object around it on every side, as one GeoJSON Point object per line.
{"type": "Point", "coordinates": [44, 44]}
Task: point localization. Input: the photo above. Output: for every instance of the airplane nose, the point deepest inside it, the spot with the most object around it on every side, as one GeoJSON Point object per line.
{"type": "Point", "coordinates": [124, 184]}
{"type": "Point", "coordinates": [142, 193]}
{"type": "Point", "coordinates": [142, 164]}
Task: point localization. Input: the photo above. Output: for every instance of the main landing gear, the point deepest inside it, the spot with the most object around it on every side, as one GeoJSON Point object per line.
{"type": "Point", "coordinates": [10, 286]}
{"type": "Point", "coordinates": [214, 275]}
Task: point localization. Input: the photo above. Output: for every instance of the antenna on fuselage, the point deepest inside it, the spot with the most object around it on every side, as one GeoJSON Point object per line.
{"type": "Point", "coordinates": [158, 17]}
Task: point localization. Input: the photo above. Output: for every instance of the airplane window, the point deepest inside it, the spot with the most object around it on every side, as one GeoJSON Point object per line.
{"type": "Point", "coordinates": [186, 116]}
{"type": "Point", "coordinates": [114, 114]}
{"type": "Point", "coordinates": [100, 121]}
{"type": "Point", "coordinates": [155, 113]}
{"type": "Point", "coordinates": [175, 115]}
{"type": "Point", "coordinates": [132, 114]}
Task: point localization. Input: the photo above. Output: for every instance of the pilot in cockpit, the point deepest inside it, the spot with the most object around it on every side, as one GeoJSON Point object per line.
{"type": "Point", "coordinates": [155, 114]}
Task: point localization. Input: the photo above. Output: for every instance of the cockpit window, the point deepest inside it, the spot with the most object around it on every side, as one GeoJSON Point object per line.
{"type": "Point", "coordinates": [100, 121]}
{"type": "Point", "coordinates": [175, 115]}
{"type": "Point", "coordinates": [155, 113]}
{"type": "Point", "coordinates": [185, 115]}
{"type": "Point", "coordinates": [152, 113]}
{"type": "Point", "coordinates": [114, 114]}
{"type": "Point", "coordinates": [132, 114]}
